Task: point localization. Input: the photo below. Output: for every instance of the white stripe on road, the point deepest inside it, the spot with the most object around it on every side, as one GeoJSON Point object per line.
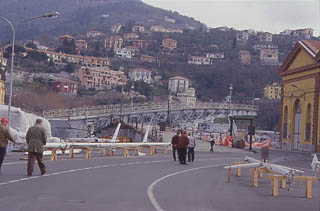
{"type": "Point", "coordinates": [75, 170]}
{"type": "Point", "coordinates": [151, 187]}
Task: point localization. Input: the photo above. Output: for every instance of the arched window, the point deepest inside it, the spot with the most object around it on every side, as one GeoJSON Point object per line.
{"type": "Point", "coordinates": [308, 123]}
{"type": "Point", "coordinates": [285, 122]}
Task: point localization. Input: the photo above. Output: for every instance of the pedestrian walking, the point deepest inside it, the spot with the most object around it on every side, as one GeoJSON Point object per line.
{"type": "Point", "coordinates": [191, 146]}
{"type": "Point", "coordinates": [212, 142]}
{"type": "Point", "coordinates": [182, 147]}
{"type": "Point", "coordinates": [36, 137]}
{"type": "Point", "coordinates": [4, 137]}
{"type": "Point", "coordinates": [174, 143]}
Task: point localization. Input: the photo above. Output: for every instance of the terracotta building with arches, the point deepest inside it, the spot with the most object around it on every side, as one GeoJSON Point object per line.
{"type": "Point", "coordinates": [300, 100]}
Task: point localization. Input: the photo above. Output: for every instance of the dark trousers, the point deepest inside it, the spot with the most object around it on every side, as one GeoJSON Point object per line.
{"type": "Point", "coordinates": [211, 144]}
{"type": "Point", "coordinates": [182, 153]}
{"type": "Point", "coordinates": [32, 156]}
{"type": "Point", "coordinates": [174, 153]}
{"type": "Point", "coordinates": [2, 154]}
{"type": "Point", "coordinates": [191, 154]}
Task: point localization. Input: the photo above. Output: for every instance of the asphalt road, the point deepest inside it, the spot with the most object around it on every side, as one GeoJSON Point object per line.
{"type": "Point", "coordinates": [150, 183]}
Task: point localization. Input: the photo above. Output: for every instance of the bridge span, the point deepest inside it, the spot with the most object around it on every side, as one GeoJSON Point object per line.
{"type": "Point", "coordinates": [80, 121]}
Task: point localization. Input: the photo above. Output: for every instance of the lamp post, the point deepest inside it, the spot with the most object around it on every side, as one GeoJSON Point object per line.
{"type": "Point", "coordinates": [230, 95]}
{"type": "Point", "coordinates": [49, 15]}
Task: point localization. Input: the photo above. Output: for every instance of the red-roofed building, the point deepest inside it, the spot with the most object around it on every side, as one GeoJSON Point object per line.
{"type": "Point", "coordinates": [140, 43]}
{"type": "Point", "coordinates": [147, 58]}
{"type": "Point", "coordinates": [65, 86]}
{"type": "Point", "coordinates": [169, 45]}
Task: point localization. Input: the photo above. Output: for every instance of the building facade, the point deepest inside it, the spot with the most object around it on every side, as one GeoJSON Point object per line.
{"type": "Point", "coordinates": [140, 74]}
{"type": "Point", "coordinates": [95, 77]}
{"type": "Point", "coordinates": [273, 91]}
{"type": "Point", "coordinates": [300, 99]}
{"type": "Point", "coordinates": [245, 57]}
{"type": "Point", "coordinates": [65, 86]}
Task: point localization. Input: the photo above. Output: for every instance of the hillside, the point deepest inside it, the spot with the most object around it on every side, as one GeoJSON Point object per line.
{"type": "Point", "coordinates": [78, 16]}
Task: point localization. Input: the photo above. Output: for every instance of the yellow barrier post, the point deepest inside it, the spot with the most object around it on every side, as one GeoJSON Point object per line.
{"type": "Point", "coordinates": [71, 153]}
{"type": "Point", "coordinates": [309, 181]}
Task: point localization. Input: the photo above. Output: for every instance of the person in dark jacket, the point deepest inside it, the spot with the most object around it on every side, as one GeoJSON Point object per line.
{"type": "Point", "coordinates": [182, 147]}
{"type": "Point", "coordinates": [36, 137]}
{"type": "Point", "coordinates": [4, 137]}
{"type": "Point", "coordinates": [174, 143]}
{"type": "Point", "coordinates": [212, 142]}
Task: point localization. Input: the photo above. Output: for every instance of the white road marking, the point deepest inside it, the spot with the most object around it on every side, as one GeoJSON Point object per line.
{"type": "Point", "coordinates": [75, 170]}
{"type": "Point", "coordinates": [151, 187]}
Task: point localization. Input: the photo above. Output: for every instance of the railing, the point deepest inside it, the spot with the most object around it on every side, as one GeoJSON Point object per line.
{"type": "Point", "coordinates": [138, 108]}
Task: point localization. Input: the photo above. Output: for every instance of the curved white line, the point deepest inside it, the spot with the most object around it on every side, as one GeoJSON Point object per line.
{"type": "Point", "coordinates": [151, 187]}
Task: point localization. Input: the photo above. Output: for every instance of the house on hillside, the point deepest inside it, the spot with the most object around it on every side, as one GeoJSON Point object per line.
{"type": "Point", "coordinates": [100, 78]}
{"type": "Point", "coordinates": [242, 36]}
{"type": "Point", "coordinates": [140, 43]}
{"type": "Point", "coordinates": [265, 37]}
{"type": "Point", "coordinates": [93, 34]}
{"type": "Point", "coordinates": [245, 57]}
{"type": "Point", "coordinates": [170, 20]}
{"type": "Point", "coordinates": [269, 56]}
{"type": "Point", "coordinates": [124, 53]}
{"type": "Point", "coordinates": [215, 55]}
{"type": "Point", "coordinates": [199, 60]}
{"type": "Point", "coordinates": [147, 58]}
{"type": "Point", "coordinates": [301, 33]}
{"type": "Point", "coordinates": [114, 42]}
{"type": "Point", "coordinates": [299, 114]}
{"type": "Point", "coordinates": [134, 50]}
{"type": "Point", "coordinates": [169, 45]}
{"type": "Point", "coordinates": [140, 74]}
{"type": "Point", "coordinates": [116, 28]}
{"type": "Point", "coordinates": [157, 29]}
{"type": "Point", "coordinates": [81, 44]}
{"type": "Point", "coordinates": [64, 86]}
{"type": "Point", "coordinates": [179, 87]}
{"type": "Point", "coordinates": [66, 38]}
{"type": "Point", "coordinates": [273, 91]}
{"type": "Point", "coordinates": [130, 36]}
{"type": "Point", "coordinates": [138, 29]}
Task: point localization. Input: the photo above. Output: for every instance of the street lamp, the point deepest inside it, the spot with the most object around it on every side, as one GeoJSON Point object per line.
{"type": "Point", "coordinates": [252, 105]}
{"type": "Point", "coordinates": [230, 95]}
{"type": "Point", "coordinates": [49, 15]}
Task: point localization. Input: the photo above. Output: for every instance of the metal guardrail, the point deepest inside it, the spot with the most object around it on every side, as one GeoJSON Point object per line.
{"type": "Point", "coordinates": [136, 108]}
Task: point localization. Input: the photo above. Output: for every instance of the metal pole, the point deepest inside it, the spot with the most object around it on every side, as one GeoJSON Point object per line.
{"type": "Point", "coordinates": [251, 124]}
{"type": "Point", "coordinates": [49, 15]}
{"type": "Point", "coordinates": [168, 116]}
{"type": "Point", "coordinates": [11, 67]}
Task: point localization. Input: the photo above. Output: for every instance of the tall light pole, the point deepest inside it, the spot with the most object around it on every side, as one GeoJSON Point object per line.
{"type": "Point", "coordinates": [230, 95]}
{"type": "Point", "coordinates": [49, 15]}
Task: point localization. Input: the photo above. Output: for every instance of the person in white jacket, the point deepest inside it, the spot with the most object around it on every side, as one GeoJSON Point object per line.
{"type": "Point", "coordinates": [191, 146]}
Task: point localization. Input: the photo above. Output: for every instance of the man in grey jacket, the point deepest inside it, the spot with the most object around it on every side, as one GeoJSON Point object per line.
{"type": "Point", "coordinates": [36, 137]}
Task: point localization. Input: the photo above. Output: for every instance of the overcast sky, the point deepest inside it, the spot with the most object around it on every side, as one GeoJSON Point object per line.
{"type": "Point", "coordinates": [261, 15]}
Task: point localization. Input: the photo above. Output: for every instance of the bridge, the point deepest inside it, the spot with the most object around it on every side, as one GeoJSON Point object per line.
{"type": "Point", "coordinates": [177, 115]}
